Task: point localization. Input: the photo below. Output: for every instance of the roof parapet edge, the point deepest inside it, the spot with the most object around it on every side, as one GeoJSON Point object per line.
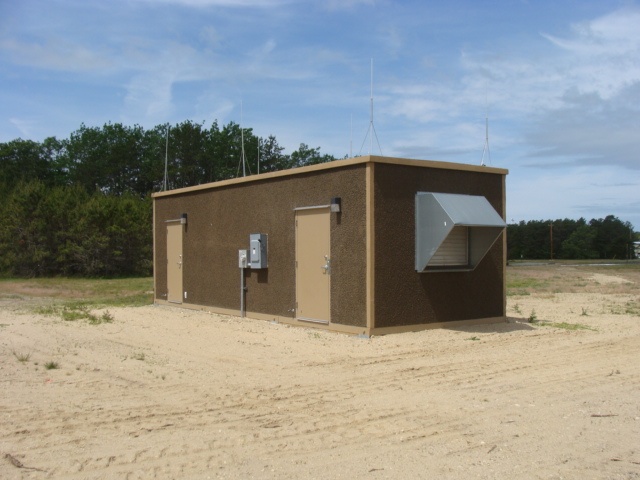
{"type": "Point", "coordinates": [334, 165]}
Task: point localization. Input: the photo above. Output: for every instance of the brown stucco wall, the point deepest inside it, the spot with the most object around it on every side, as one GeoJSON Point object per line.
{"type": "Point", "coordinates": [405, 297]}
{"type": "Point", "coordinates": [220, 220]}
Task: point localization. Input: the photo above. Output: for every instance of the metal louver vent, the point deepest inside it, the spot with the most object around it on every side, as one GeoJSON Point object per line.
{"type": "Point", "coordinates": [454, 231]}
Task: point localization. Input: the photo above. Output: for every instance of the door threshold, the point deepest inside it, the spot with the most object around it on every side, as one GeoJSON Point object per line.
{"type": "Point", "coordinates": [312, 320]}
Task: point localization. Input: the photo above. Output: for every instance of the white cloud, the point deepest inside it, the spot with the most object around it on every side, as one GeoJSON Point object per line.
{"type": "Point", "coordinates": [592, 130]}
{"type": "Point", "coordinates": [268, 46]}
{"type": "Point", "coordinates": [211, 107]}
{"type": "Point", "coordinates": [602, 55]}
{"type": "Point", "coordinates": [55, 53]}
{"type": "Point", "coordinates": [25, 127]}
{"type": "Point", "coordinates": [149, 97]}
{"type": "Point", "coordinates": [577, 101]}
{"type": "Point", "coordinates": [149, 91]}
{"type": "Point", "coordinates": [346, 4]}
{"type": "Point", "coordinates": [392, 38]}
{"type": "Point", "coordinates": [572, 193]}
{"type": "Point", "coordinates": [599, 115]}
{"type": "Point", "coordinates": [223, 3]}
{"type": "Point", "coordinates": [610, 35]}
{"type": "Point", "coordinates": [210, 37]}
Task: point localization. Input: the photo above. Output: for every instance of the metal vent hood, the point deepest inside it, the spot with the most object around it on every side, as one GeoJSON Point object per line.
{"type": "Point", "coordinates": [438, 213]}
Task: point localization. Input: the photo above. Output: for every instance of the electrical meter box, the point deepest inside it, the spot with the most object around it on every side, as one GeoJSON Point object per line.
{"type": "Point", "coordinates": [242, 259]}
{"type": "Point", "coordinates": [258, 250]}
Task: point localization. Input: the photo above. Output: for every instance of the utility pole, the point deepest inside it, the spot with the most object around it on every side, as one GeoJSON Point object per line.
{"type": "Point", "coordinates": [551, 239]}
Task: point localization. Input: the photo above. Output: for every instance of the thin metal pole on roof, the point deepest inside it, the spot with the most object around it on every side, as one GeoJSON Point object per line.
{"type": "Point", "coordinates": [351, 139]}
{"type": "Point", "coordinates": [166, 159]}
{"type": "Point", "coordinates": [244, 170]}
{"type": "Point", "coordinates": [486, 141]}
{"type": "Point", "coordinates": [372, 128]}
{"type": "Point", "coordinates": [243, 158]}
{"type": "Point", "coordinates": [371, 114]}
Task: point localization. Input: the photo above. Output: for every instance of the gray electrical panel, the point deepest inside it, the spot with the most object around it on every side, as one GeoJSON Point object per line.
{"type": "Point", "coordinates": [258, 250]}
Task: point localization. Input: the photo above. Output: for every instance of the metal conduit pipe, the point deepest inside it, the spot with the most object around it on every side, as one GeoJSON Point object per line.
{"type": "Point", "coordinates": [242, 293]}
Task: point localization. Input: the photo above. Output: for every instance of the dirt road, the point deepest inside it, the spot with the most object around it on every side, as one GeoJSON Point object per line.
{"type": "Point", "coordinates": [170, 393]}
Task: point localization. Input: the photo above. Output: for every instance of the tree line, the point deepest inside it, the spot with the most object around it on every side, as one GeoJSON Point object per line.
{"type": "Point", "coordinates": [81, 205]}
{"type": "Point", "coordinates": [602, 238]}
{"type": "Point", "coordinates": [115, 159]}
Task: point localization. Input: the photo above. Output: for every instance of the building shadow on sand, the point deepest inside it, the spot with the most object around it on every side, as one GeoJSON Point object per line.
{"type": "Point", "coordinates": [513, 324]}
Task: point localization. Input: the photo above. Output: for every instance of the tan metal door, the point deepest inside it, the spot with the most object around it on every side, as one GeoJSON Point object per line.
{"type": "Point", "coordinates": [313, 265]}
{"type": "Point", "coordinates": [174, 263]}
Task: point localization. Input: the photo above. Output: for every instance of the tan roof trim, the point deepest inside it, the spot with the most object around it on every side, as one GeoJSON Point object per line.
{"type": "Point", "coordinates": [438, 164]}
{"type": "Point", "coordinates": [333, 165]}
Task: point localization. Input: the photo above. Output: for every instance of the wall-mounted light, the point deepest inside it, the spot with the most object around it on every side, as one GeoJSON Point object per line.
{"type": "Point", "coordinates": [183, 219]}
{"type": "Point", "coordinates": [336, 204]}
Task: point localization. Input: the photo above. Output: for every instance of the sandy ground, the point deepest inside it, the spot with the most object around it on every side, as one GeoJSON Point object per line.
{"type": "Point", "coordinates": [171, 393]}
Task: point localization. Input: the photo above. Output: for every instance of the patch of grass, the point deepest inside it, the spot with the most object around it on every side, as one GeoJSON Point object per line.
{"type": "Point", "coordinates": [106, 317]}
{"type": "Point", "coordinates": [517, 293]}
{"type": "Point", "coordinates": [516, 308]}
{"type": "Point", "coordinates": [571, 277]}
{"type": "Point", "coordinates": [139, 356]}
{"type": "Point", "coordinates": [82, 287]}
{"type": "Point", "coordinates": [131, 300]}
{"type": "Point", "coordinates": [568, 326]}
{"type": "Point", "coordinates": [584, 312]}
{"type": "Point", "coordinates": [630, 307]}
{"type": "Point", "coordinates": [533, 318]}
{"type": "Point", "coordinates": [92, 292]}
{"type": "Point", "coordinates": [574, 326]}
{"type": "Point", "coordinates": [73, 311]}
{"type": "Point", "coordinates": [473, 339]}
{"type": "Point", "coordinates": [522, 285]}
{"type": "Point", "coordinates": [524, 282]}
{"type": "Point", "coordinates": [51, 365]}
{"type": "Point", "coordinates": [563, 325]}
{"type": "Point", "coordinates": [22, 357]}
{"type": "Point", "coordinates": [47, 310]}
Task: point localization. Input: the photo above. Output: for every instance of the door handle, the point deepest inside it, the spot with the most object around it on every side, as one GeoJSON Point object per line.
{"type": "Point", "coordinates": [327, 265]}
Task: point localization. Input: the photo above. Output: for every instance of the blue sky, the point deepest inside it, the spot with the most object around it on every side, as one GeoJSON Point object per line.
{"type": "Point", "coordinates": [558, 79]}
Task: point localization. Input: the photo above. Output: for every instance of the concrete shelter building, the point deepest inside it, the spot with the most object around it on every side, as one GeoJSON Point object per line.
{"type": "Point", "coordinates": [368, 245]}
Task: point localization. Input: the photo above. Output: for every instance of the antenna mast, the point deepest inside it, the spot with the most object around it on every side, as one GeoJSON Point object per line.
{"type": "Point", "coordinates": [351, 139]}
{"type": "Point", "coordinates": [372, 128]}
{"type": "Point", "coordinates": [486, 150]}
{"type": "Point", "coordinates": [244, 160]}
{"type": "Point", "coordinates": [166, 160]}
{"type": "Point", "coordinates": [486, 141]}
{"type": "Point", "coordinates": [371, 113]}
